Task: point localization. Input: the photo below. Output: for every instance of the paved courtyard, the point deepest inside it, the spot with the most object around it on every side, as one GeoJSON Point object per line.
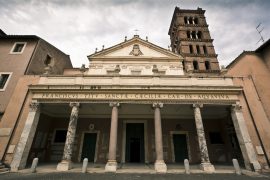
{"type": "Point", "coordinates": [127, 176]}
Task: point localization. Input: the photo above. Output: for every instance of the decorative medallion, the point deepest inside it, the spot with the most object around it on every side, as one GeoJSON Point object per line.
{"type": "Point", "coordinates": [136, 50]}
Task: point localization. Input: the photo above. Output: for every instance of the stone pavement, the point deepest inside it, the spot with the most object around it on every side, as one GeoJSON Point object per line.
{"type": "Point", "coordinates": [126, 176]}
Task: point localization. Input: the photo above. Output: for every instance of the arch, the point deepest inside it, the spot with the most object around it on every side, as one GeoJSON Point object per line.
{"type": "Point", "coordinates": [198, 49]}
{"type": "Point", "coordinates": [207, 65]}
{"type": "Point", "coordinates": [205, 49]}
{"type": "Point", "coordinates": [195, 65]}
{"type": "Point", "coordinates": [191, 49]}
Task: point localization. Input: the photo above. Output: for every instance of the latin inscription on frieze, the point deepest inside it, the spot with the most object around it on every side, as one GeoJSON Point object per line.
{"type": "Point", "coordinates": [134, 96]}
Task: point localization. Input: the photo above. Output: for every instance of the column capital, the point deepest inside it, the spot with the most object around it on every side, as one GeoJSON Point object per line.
{"type": "Point", "coordinates": [197, 105]}
{"type": "Point", "coordinates": [236, 107]}
{"type": "Point", "coordinates": [34, 106]}
{"type": "Point", "coordinates": [114, 104]}
{"type": "Point", "coordinates": [74, 104]}
{"type": "Point", "coordinates": [157, 105]}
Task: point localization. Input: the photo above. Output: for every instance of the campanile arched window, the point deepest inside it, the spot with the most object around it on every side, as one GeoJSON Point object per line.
{"type": "Point", "coordinates": [195, 65]}
{"type": "Point", "coordinates": [207, 65]}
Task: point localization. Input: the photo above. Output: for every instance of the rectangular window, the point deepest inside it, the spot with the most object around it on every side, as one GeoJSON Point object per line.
{"type": "Point", "coordinates": [60, 136]}
{"type": "Point", "coordinates": [215, 138]}
{"type": "Point", "coordinates": [4, 77]}
{"type": "Point", "coordinates": [18, 48]}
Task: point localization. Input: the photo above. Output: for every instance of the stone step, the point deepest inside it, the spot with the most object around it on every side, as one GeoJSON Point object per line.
{"type": "Point", "coordinates": [2, 166]}
{"type": "Point", "coordinates": [4, 170]}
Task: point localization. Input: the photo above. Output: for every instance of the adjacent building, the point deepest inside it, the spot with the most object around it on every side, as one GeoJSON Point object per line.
{"type": "Point", "coordinates": [251, 70]}
{"type": "Point", "coordinates": [22, 59]}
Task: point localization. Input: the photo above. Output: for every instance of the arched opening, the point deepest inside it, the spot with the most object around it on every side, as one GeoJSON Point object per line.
{"type": "Point", "coordinates": [183, 64]}
{"type": "Point", "coordinates": [196, 20]}
{"type": "Point", "coordinates": [185, 20]}
{"type": "Point", "coordinates": [195, 65]}
{"type": "Point", "coordinates": [193, 35]}
{"type": "Point", "coordinates": [190, 20]}
{"type": "Point", "coordinates": [198, 49]}
{"type": "Point", "coordinates": [190, 49]}
{"type": "Point", "coordinates": [199, 35]}
{"type": "Point", "coordinates": [207, 65]}
{"type": "Point", "coordinates": [204, 49]}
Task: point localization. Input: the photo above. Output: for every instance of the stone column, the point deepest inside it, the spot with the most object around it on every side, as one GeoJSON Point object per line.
{"type": "Point", "coordinates": [66, 162]}
{"type": "Point", "coordinates": [205, 162]}
{"type": "Point", "coordinates": [244, 140]}
{"type": "Point", "coordinates": [160, 165]}
{"type": "Point", "coordinates": [27, 136]}
{"type": "Point", "coordinates": [111, 165]}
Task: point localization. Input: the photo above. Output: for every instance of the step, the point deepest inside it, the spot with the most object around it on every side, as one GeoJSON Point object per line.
{"type": "Point", "coordinates": [4, 169]}
{"type": "Point", "coordinates": [2, 166]}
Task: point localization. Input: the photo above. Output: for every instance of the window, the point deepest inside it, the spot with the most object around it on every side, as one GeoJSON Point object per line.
{"type": "Point", "coordinates": [196, 20]}
{"type": "Point", "coordinates": [188, 34]}
{"type": "Point", "coordinates": [204, 49]}
{"type": "Point", "coordinates": [4, 77]}
{"type": "Point", "coordinates": [185, 19]}
{"type": "Point", "coordinates": [207, 65]}
{"type": "Point", "coordinates": [183, 64]}
{"type": "Point", "coordinates": [18, 48]}
{"type": "Point", "coordinates": [215, 138]}
{"type": "Point", "coordinates": [60, 136]}
{"type": "Point", "coordinates": [199, 35]}
{"type": "Point", "coordinates": [195, 65]}
{"type": "Point", "coordinates": [190, 49]}
{"type": "Point", "coordinates": [198, 49]}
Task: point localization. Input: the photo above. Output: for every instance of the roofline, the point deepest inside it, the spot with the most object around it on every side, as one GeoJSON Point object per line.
{"type": "Point", "coordinates": [135, 37]}
{"type": "Point", "coordinates": [264, 45]}
{"type": "Point", "coordinates": [239, 57]}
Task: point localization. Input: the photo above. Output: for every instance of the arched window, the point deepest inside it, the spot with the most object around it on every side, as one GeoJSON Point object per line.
{"type": "Point", "coordinates": [185, 19]}
{"type": "Point", "coordinates": [190, 49]}
{"type": "Point", "coordinates": [199, 35]}
{"type": "Point", "coordinates": [204, 49]}
{"type": "Point", "coordinates": [190, 20]}
{"type": "Point", "coordinates": [198, 49]}
{"type": "Point", "coordinates": [207, 65]}
{"type": "Point", "coordinates": [196, 20]}
{"type": "Point", "coordinates": [195, 65]}
{"type": "Point", "coordinates": [188, 34]}
{"type": "Point", "coordinates": [183, 64]}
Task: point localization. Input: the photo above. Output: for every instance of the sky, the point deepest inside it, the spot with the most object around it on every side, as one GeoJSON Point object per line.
{"type": "Point", "coordinates": [78, 27]}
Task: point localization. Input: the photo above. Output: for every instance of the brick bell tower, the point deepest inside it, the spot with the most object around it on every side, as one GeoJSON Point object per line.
{"type": "Point", "coordinates": [191, 38]}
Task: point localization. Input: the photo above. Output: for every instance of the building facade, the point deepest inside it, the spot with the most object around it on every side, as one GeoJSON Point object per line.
{"type": "Point", "coordinates": [22, 59]}
{"type": "Point", "coordinates": [136, 103]}
{"type": "Point", "coordinates": [253, 76]}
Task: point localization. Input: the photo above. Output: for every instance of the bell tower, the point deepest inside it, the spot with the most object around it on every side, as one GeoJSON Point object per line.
{"type": "Point", "coordinates": [191, 38]}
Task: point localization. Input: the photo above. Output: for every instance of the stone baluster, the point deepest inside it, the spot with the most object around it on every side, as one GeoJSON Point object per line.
{"type": "Point", "coordinates": [205, 162]}
{"type": "Point", "coordinates": [160, 165]}
{"type": "Point", "coordinates": [111, 165]}
{"type": "Point", "coordinates": [66, 162]}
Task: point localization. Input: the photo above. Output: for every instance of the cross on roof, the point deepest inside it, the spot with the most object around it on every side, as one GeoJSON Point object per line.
{"type": "Point", "coordinates": [136, 31]}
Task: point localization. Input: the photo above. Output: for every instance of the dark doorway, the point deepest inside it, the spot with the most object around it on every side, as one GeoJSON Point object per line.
{"type": "Point", "coordinates": [135, 142]}
{"type": "Point", "coordinates": [180, 147]}
{"type": "Point", "coordinates": [89, 146]}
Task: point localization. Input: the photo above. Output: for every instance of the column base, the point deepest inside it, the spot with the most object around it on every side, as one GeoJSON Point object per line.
{"type": "Point", "coordinates": [256, 166]}
{"type": "Point", "coordinates": [207, 167]}
{"type": "Point", "coordinates": [111, 166]}
{"type": "Point", "coordinates": [64, 166]}
{"type": "Point", "coordinates": [160, 167]}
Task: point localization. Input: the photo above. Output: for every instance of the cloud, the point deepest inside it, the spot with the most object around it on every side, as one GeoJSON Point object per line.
{"type": "Point", "coordinates": [78, 27]}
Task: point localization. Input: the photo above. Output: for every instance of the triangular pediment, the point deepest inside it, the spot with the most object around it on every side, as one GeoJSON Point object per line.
{"type": "Point", "coordinates": [135, 48]}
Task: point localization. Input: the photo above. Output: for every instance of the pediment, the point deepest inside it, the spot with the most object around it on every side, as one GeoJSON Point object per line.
{"type": "Point", "coordinates": [135, 48]}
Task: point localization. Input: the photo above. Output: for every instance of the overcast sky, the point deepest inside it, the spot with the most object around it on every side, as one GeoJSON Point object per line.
{"type": "Point", "coordinates": [77, 27]}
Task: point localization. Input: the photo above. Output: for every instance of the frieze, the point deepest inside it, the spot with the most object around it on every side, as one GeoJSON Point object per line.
{"type": "Point", "coordinates": [134, 96]}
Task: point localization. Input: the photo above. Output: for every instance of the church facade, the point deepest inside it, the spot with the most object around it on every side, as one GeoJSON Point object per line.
{"type": "Point", "coordinates": [138, 103]}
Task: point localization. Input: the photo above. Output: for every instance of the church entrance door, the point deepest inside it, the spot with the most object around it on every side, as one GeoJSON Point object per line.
{"type": "Point", "coordinates": [180, 147]}
{"type": "Point", "coordinates": [135, 142]}
{"type": "Point", "coordinates": [89, 146]}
